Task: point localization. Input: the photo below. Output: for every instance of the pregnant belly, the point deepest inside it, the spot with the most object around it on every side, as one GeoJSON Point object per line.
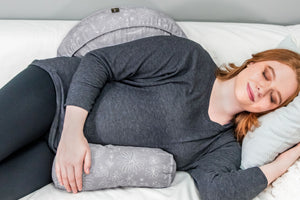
{"type": "Point", "coordinates": [125, 115]}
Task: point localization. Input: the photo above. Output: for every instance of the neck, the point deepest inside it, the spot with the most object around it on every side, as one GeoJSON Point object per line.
{"type": "Point", "coordinates": [223, 104]}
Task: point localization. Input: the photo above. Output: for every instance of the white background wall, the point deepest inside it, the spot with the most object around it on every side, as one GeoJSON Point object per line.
{"type": "Point", "coordinates": [284, 12]}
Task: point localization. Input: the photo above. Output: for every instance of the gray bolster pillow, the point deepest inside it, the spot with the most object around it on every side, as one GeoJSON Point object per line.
{"type": "Point", "coordinates": [125, 166]}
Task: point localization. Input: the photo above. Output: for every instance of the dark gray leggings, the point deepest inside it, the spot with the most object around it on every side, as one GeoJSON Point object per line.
{"type": "Point", "coordinates": [27, 108]}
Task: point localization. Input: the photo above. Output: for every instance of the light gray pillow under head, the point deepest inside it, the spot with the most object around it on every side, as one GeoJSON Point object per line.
{"type": "Point", "coordinates": [115, 26]}
{"type": "Point", "coordinates": [125, 166]}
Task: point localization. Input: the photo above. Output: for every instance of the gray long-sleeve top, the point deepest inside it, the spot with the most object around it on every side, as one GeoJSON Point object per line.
{"type": "Point", "coordinates": [154, 92]}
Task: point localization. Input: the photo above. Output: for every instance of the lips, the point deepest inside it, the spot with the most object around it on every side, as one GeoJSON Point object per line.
{"type": "Point", "coordinates": [250, 92]}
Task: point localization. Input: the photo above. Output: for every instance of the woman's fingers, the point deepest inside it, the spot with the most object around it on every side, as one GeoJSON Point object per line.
{"type": "Point", "coordinates": [71, 178]}
{"type": "Point", "coordinates": [87, 161]}
{"type": "Point", "coordinates": [65, 180]}
{"type": "Point", "coordinates": [78, 176]}
{"type": "Point", "coordinates": [58, 173]}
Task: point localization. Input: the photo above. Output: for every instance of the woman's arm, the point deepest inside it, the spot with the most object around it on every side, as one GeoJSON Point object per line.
{"type": "Point", "coordinates": [218, 176]}
{"type": "Point", "coordinates": [146, 61]}
{"type": "Point", "coordinates": [73, 150]}
{"type": "Point", "coordinates": [279, 166]}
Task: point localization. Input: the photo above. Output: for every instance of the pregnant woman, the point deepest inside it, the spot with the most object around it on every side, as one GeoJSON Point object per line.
{"type": "Point", "coordinates": [162, 91]}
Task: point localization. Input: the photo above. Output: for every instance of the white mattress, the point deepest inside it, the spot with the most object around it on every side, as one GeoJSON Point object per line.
{"type": "Point", "coordinates": [23, 41]}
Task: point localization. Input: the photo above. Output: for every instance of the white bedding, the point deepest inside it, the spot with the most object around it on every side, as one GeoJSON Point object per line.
{"type": "Point", "coordinates": [182, 188]}
{"type": "Point", "coordinates": [23, 41]}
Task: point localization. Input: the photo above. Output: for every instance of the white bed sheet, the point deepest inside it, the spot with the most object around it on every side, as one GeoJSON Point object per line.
{"type": "Point", "coordinates": [25, 40]}
{"type": "Point", "coordinates": [182, 188]}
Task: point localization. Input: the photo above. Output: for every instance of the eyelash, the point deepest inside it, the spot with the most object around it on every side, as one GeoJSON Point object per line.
{"type": "Point", "coordinates": [272, 99]}
{"type": "Point", "coordinates": [264, 74]}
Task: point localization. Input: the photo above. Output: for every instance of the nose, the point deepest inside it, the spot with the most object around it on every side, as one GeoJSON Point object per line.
{"type": "Point", "coordinates": [260, 92]}
{"type": "Point", "coordinates": [262, 88]}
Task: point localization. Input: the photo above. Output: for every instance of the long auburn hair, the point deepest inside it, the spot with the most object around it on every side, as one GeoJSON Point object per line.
{"type": "Point", "coordinates": [247, 121]}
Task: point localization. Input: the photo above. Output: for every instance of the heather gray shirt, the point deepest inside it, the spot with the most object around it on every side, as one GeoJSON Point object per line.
{"type": "Point", "coordinates": [154, 92]}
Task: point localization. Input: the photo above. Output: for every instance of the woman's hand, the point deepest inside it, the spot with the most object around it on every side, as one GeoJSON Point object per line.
{"type": "Point", "coordinates": [282, 162]}
{"type": "Point", "coordinates": [73, 150]}
{"type": "Point", "coordinates": [289, 156]}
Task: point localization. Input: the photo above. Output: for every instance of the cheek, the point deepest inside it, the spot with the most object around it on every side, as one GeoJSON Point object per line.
{"type": "Point", "coordinates": [264, 105]}
{"type": "Point", "coordinates": [237, 92]}
{"type": "Point", "coordinates": [240, 91]}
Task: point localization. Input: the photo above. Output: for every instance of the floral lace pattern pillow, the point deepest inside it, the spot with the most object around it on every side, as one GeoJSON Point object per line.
{"type": "Point", "coordinates": [109, 27]}
{"type": "Point", "coordinates": [125, 166]}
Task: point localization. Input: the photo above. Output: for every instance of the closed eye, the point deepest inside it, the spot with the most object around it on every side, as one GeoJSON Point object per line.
{"type": "Point", "coordinates": [272, 99]}
{"type": "Point", "coordinates": [266, 75]}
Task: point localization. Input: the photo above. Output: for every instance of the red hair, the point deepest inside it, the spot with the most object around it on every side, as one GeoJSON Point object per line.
{"type": "Point", "coordinates": [246, 121]}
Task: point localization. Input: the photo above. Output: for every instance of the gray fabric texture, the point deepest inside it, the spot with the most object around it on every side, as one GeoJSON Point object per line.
{"type": "Point", "coordinates": [154, 92]}
{"type": "Point", "coordinates": [106, 28]}
{"type": "Point", "coordinates": [122, 166]}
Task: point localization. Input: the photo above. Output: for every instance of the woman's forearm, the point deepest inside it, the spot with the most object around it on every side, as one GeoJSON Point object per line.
{"type": "Point", "coordinates": [69, 158]}
{"type": "Point", "coordinates": [279, 166]}
{"type": "Point", "coordinates": [74, 118]}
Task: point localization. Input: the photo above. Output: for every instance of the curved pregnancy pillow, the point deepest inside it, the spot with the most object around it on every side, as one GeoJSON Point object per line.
{"type": "Point", "coordinates": [124, 166]}
{"type": "Point", "coordinates": [115, 166]}
{"type": "Point", "coordinates": [115, 26]}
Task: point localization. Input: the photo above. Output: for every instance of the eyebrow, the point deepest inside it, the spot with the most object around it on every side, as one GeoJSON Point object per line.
{"type": "Point", "coordinates": [274, 75]}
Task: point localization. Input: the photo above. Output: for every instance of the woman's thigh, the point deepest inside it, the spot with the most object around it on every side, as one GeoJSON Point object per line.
{"type": "Point", "coordinates": [27, 108]}
{"type": "Point", "coordinates": [26, 170]}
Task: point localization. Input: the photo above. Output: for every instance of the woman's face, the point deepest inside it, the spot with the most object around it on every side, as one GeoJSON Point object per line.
{"type": "Point", "coordinates": [264, 85]}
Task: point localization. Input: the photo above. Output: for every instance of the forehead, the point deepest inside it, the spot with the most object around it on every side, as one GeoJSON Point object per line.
{"type": "Point", "coordinates": [281, 70]}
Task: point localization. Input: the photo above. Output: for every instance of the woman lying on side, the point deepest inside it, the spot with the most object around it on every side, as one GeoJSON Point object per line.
{"type": "Point", "coordinates": [164, 92]}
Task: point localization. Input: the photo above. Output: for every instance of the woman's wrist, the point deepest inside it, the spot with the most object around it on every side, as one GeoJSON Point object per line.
{"type": "Point", "coordinates": [74, 118]}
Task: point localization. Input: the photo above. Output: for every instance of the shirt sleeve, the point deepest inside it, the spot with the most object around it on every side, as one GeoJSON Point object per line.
{"type": "Point", "coordinates": [147, 60]}
{"type": "Point", "coordinates": [218, 177]}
